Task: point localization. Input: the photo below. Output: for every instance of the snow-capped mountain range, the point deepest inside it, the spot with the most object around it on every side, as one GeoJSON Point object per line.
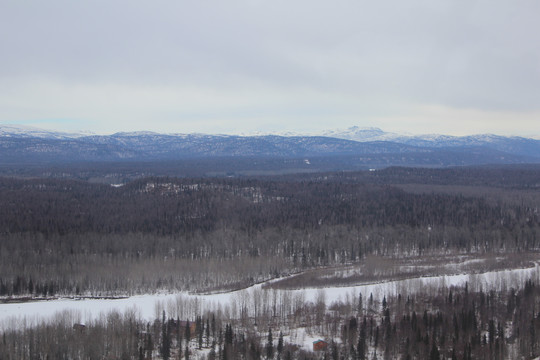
{"type": "Point", "coordinates": [511, 144]}
{"type": "Point", "coordinates": [29, 144]}
{"type": "Point", "coordinates": [361, 134]}
{"type": "Point", "coordinates": [23, 131]}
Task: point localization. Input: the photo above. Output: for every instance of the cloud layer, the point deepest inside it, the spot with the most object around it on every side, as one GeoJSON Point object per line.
{"type": "Point", "coordinates": [238, 66]}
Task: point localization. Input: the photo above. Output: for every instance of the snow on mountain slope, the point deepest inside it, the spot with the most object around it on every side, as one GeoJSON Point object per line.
{"type": "Point", "coordinates": [362, 134]}
{"type": "Point", "coordinates": [22, 143]}
{"type": "Point", "coordinates": [514, 145]}
{"type": "Point", "coordinates": [23, 131]}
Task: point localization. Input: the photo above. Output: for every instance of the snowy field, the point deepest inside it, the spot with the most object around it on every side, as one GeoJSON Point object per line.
{"type": "Point", "coordinates": [151, 306]}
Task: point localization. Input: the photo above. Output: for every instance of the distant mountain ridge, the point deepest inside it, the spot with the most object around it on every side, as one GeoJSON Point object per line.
{"type": "Point", "coordinates": [369, 146]}
{"type": "Point", "coordinates": [23, 131]}
{"type": "Point", "coordinates": [512, 144]}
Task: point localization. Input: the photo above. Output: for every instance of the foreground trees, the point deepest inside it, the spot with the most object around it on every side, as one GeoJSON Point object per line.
{"type": "Point", "coordinates": [454, 323]}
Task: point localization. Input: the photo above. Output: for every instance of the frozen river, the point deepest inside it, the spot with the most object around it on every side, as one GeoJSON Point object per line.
{"type": "Point", "coordinates": [151, 306]}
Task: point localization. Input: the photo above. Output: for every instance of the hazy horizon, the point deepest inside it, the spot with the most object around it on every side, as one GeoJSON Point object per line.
{"type": "Point", "coordinates": [327, 132]}
{"type": "Point", "coordinates": [245, 66]}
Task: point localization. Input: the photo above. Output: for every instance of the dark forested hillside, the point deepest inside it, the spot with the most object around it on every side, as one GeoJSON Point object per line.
{"type": "Point", "coordinates": [165, 206]}
{"type": "Point", "coordinates": [54, 233]}
{"type": "Point", "coordinates": [61, 237]}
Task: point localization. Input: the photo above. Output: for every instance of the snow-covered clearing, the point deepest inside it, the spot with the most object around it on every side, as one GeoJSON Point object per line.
{"type": "Point", "coordinates": [13, 315]}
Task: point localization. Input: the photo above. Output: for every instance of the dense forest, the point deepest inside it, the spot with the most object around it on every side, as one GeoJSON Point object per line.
{"type": "Point", "coordinates": [69, 237]}
{"type": "Point", "coordinates": [66, 237]}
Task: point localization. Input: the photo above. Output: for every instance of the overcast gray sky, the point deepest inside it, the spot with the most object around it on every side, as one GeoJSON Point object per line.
{"type": "Point", "coordinates": [240, 66]}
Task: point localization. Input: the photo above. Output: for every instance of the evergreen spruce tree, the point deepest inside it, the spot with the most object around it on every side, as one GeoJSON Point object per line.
{"type": "Point", "coordinates": [228, 334]}
{"type": "Point", "coordinates": [269, 345]}
{"type": "Point", "coordinates": [335, 354]}
{"type": "Point", "coordinates": [201, 331]}
{"type": "Point", "coordinates": [141, 353]}
{"type": "Point", "coordinates": [187, 333]}
{"type": "Point", "coordinates": [207, 334]}
{"type": "Point", "coordinates": [165, 348]}
{"type": "Point", "coordinates": [434, 353]}
{"type": "Point", "coordinates": [280, 344]}
{"type": "Point", "coordinates": [288, 355]}
{"type": "Point", "coordinates": [149, 344]}
{"type": "Point", "coordinates": [361, 347]}
{"type": "Point", "coordinates": [212, 354]}
{"type": "Point", "coordinates": [224, 352]}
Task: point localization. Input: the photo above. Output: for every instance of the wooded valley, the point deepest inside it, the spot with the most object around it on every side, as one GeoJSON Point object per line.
{"type": "Point", "coordinates": [76, 238]}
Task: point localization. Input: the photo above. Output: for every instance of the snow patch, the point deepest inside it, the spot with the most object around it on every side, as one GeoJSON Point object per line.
{"type": "Point", "coordinates": [151, 306]}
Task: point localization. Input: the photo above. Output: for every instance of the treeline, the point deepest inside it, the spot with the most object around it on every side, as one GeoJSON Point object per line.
{"type": "Point", "coordinates": [68, 237]}
{"type": "Point", "coordinates": [523, 176]}
{"type": "Point", "coordinates": [499, 176]}
{"type": "Point", "coordinates": [449, 323]}
{"type": "Point", "coordinates": [165, 206]}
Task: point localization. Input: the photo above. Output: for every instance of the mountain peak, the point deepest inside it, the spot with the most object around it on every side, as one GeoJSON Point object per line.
{"type": "Point", "coordinates": [358, 133]}
{"type": "Point", "coordinates": [364, 128]}
{"type": "Point", "coordinates": [135, 133]}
